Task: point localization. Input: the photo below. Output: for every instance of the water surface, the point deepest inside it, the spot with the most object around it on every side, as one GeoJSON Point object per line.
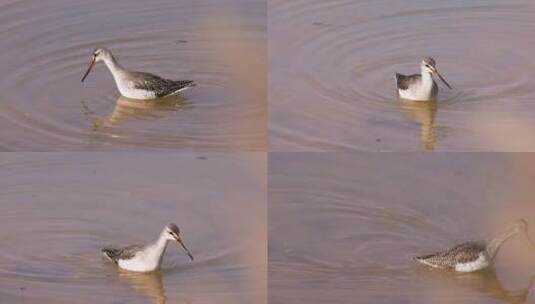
{"type": "Point", "coordinates": [58, 210]}
{"type": "Point", "coordinates": [332, 66]}
{"type": "Point", "coordinates": [45, 50]}
{"type": "Point", "coordinates": [344, 228]}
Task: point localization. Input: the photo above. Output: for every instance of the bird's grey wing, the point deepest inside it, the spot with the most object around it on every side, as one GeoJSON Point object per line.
{"type": "Point", "coordinates": [467, 252]}
{"type": "Point", "coordinates": [404, 81]}
{"type": "Point", "coordinates": [437, 259]}
{"type": "Point", "coordinates": [116, 254]}
{"type": "Point", "coordinates": [160, 86]}
{"type": "Point", "coordinates": [461, 253]}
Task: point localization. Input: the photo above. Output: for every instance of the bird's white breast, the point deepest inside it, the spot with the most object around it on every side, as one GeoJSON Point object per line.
{"type": "Point", "coordinates": [415, 93]}
{"type": "Point", "coordinates": [139, 263]}
{"type": "Point", "coordinates": [418, 91]}
{"type": "Point", "coordinates": [480, 263]}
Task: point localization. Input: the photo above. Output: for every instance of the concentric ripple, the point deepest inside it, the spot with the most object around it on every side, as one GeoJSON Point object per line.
{"type": "Point", "coordinates": [45, 50]}
{"type": "Point", "coordinates": [345, 236]}
{"type": "Point", "coordinates": [58, 210]}
{"type": "Point", "coordinates": [346, 226]}
{"type": "Point", "coordinates": [333, 66]}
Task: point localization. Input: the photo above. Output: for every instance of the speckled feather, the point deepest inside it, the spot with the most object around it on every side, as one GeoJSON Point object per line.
{"type": "Point", "coordinates": [460, 254]}
{"type": "Point", "coordinates": [137, 85]}
{"type": "Point", "coordinates": [116, 254]}
{"type": "Point", "coordinates": [160, 86]}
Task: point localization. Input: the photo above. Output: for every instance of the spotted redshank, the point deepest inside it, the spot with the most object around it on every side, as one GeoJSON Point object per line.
{"type": "Point", "coordinates": [420, 86]}
{"type": "Point", "coordinates": [145, 258]}
{"type": "Point", "coordinates": [474, 256]}
{"type": "Point", "coordinates": [137, 85]}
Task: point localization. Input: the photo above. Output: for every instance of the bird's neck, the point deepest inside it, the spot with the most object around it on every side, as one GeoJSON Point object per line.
{"type": "Point", "coordinates": [495, 244]}
{"type": "Point", "coordinates": [427, 78]}
{"type": "Point", "coordinates": [157, 249]}
{"type": "Point", "coordinates": [114, 67]}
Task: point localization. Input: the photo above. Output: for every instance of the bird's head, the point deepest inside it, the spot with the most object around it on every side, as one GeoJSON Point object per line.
{"type": "Point", "coordinates": [429, 65]}
{"type": "Point", "coordinates": [99, 54]}
{"type": "Point", "coordinates": [172, 233]}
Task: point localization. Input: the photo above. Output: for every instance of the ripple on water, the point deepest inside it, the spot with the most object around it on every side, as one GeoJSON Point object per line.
{"type": "Point", "coordinates": [345, 226]}
{"type": "Point", "coordinates": [58, 210]}
{"type": "Point", "coordinates": [335, 62]}
{"type": "Point", "coordinates": [357, 238]}
{"type": "Point", "coordinates": [45, 56]}
{"type": "Point", "coordinates": [63, 254]}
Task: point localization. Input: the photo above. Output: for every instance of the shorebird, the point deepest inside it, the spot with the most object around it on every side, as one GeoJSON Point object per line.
{"type": "Point", "coordinates": [137, 85]}
{"type": "Point", "coordinates": [474, 256]}
{"type": "Point", "coordinates": [145, 258]}
{"type": "Point", "coordinates": [420, 86]}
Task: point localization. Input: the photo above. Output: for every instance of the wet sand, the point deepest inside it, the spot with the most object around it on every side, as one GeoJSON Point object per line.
{"type": "Point", "coordinates": [344, 228]}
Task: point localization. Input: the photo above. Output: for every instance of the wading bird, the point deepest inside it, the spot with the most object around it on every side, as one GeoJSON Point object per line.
{"type": "Point", "coordinates": [420, 86]}
{"type": "Point", "coordinates": [145, 258]}
{"type": "Point", "coordinates": [473, 256]}
{"type": "Point", "coordinates": [137, 85]}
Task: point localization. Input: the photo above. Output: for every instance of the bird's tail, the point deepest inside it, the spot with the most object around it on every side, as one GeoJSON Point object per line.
{"type": "Point", "coordinates": [106, 252]}
{"type": "Point", "coordinates": [192, 83]}
{"type": "Point", "coordinates": [189, 83]}
{"type": "Point", "coordinates": [185, 84]}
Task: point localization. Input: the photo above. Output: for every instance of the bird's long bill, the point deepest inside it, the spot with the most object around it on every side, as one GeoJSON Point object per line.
{"type": "Point", "coordinates": [443, 80]}
{"type": "Point", "coordinates": [186, 249]}
{"type": "Point", "coordinates": [89, 69]}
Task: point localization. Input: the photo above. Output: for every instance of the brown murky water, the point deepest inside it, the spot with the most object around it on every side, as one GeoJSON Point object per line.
{"type": "Point", "coordinates": [46, 48]}
{"type": "Point", "coordinates": [57, 210]}
{"type": "Point", "coordinates": [343, 228]}
{"type": "Point", "coordinates": [332, 66]}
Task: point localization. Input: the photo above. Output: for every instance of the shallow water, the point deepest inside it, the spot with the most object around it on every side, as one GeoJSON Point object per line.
{"type": "Point", "coordinates": [343, 228]}
{"type": "Point", "coordinates": [46, 49]}
{"type": "Point", "coordinates": [332, 66]}
{"type": "Point", "coordinates": [58, 210]}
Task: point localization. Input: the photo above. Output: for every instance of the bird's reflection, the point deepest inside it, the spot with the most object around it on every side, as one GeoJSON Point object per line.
{"type": "Point", "coordinates": [485, 282]}
{"type": "Point", "coordinates": [423, 113]}
{"type": "Point", "coordinates": [130, 109]}
{"type": "Point", "coordinates": [148, 284]}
